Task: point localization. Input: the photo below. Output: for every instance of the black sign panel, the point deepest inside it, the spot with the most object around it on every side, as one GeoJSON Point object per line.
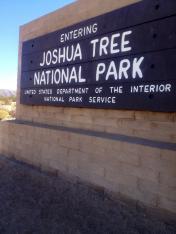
{"type": "Point", "coordinates": [125, 59]}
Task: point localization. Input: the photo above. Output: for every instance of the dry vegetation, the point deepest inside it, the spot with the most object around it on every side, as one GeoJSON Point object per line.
{"type": "Point", "coordinates": [7, 107]}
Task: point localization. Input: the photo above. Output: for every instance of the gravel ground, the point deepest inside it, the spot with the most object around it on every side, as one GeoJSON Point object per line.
{"type": "Point", "coordinates": [35, 202]}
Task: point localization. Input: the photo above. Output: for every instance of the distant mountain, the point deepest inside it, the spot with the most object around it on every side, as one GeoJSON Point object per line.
{"type": "Point", "coordinates": [7, 93]}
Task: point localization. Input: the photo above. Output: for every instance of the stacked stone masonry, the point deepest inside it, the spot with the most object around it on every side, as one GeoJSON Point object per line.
{"type": "Point", "coordinates": [141, 172]}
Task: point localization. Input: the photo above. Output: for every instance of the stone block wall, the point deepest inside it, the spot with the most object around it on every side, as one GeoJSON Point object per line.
{"type": "Point", "coordinates": [142, 172]}
{"type": "Point", "coordinates": [131, 153]}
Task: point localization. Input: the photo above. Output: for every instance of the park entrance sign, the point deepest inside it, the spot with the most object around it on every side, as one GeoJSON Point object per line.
{"type": "Point", "coordinates": [124, 59]}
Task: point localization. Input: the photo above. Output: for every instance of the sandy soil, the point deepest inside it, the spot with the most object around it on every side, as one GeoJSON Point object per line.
{"type": "Point", "coordinates": [35, 202]}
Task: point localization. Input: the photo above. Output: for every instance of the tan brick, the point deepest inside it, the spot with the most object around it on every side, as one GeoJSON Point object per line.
{"type": "Point", "coordinates": [119, 130]}
{"type": "Point", "coordinates": [72, 111]}
{"type": "Point", "coordinates": [105, 122]}
{"type": "Point", "coordinates": [82, 119]}
{"type": "Point", "coordinates": [151, 161]}
{"type": "Point", "coordinates": [140, 172]}
{"type": "Point", "coordinates": [154, 116]}
{"type": "Point", "coordinates": [168, 155]}
{"type": "Point", "coordinates": [91, 177]}
{"type": "Point", "coordinates": [82, 161]}
{"type": "Point", "coordinates": [73, 162]}
{"type": "Point", "coordinates": [161, 189]}
{"type": "Point", "coordinates": [166, 127]}
{"type": "Point", "coordinates": [168, 180]}
{"type": "Point", "coordinates": [148, 198]}
{"type": "Point", "coordinates": [74, 167]}
{"type": "Point", "coordinates": [143, 151]}
{"type": "Point", "coordinates": [121, 156]}
{"type": "Point", "coordinates": [73, 141]}
{"type": "Point", "coordinates": [116, 176]}
{"type": "Point", "coordinates": [91, 168]}
{"type": "Point", "coordinates": [118, 114]}
{"type": "Point", "coordinates": [167, 204]}
{"type": "Point", "coordinates": [133, 124]}
{"type": "Point", "coordinates": [58, 165]}
{"type": "Point", "coordinates": [131, 149]}
{"type": "Point", "coordinates": [91, 148]}
{"type": "Point", "coordinates": [92, 113]}
{"type": "Point", "coordinates": [63, 138]}
{"type": "Point", "coordinates": [148, 134]}
{"type": "Point", "coordinates": [174, 116]}
{"type": "Point", "coordinates": [112, 186]}
{"type": "Point", "coordinates": [166, 167]}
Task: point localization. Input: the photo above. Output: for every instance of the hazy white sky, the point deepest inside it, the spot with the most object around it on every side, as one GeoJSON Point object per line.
{"type": "Point", "coordinates": [8, 79]}
{"type": "Point", "coordinates": [12, 15]}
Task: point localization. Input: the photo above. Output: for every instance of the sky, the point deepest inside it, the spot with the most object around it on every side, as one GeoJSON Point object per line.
{"type": "Point", "coordinates": [14, 13]}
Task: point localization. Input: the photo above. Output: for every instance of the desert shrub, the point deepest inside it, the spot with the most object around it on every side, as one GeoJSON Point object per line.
{"type": "Point", "coordinates": [5, 100]}
{"type": "Point", "coordinates": [13, 98]}
{"type": "Point", "coordinates": [3, 114]}
{"type": "Point", "coordinates": [12, 113]}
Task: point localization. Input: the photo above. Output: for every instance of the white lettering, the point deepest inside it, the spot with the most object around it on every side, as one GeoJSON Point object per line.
{"type": "Point", "coordinates": [100, 70]}
{"type": "Point", "coordinates": [123, 68]}
{"type": "Point", "coordinates": [125, 42]}
{"type": "Point", "coordinates": [112, 71]}
{"type": "Point", "coordinates": [136, 67]}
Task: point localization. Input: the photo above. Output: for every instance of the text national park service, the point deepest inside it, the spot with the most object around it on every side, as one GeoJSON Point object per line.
{"type": "Point", "coordinates": [110, 61]}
